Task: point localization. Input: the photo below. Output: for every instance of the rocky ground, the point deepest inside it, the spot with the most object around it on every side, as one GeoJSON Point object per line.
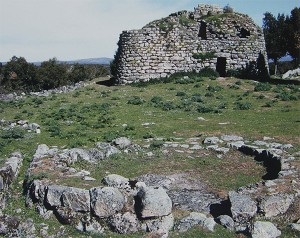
{"type": "Point", "coordinates": [151, 202]}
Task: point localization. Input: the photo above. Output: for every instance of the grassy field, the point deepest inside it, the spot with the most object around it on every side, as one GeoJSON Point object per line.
{"type": "Point", "coordinates": [176, 110]}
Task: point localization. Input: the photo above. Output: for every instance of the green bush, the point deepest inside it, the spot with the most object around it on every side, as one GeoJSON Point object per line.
{"type": "Point", "coordinates": [205, 109]}
{"type": "Point", "coordinates": [13, 133]}
{"type": "Point", "coordinates": [243, 105]}
{"type": "Point", "coordinates": [196, 98]}
{"type": "Point", "coordinates": [156, 99]}
{"type": "Point", "coordinates": [136, 100]}
{"type": "Point", "coordinates": [167, 106]}
{"type": "Point", "coordinates": [214, 88]}
{"type": "Point", "coordinates": [180, 94]}
{"type": "Point", "coordinates": [111, 135]}
{"type": "Point", "coordinates": [262, 87]}
{"type": "Point", "coordinates": [285, 96]}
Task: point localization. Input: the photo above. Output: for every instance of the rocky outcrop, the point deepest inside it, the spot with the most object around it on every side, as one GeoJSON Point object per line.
{"type": "Point", "coordinates": [189, 41]}
{"type": "Point", "coordinates": [8, 173]}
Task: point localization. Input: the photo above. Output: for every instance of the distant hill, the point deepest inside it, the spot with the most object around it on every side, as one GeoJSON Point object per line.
{"type": "Point", "coordinates": [103, 61]}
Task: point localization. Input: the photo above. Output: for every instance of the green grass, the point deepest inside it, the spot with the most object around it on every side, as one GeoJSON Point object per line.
{"type": "Point", "coordinates": [97, 113]}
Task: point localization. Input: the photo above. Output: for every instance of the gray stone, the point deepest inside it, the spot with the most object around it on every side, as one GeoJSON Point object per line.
{"type": "Point", "coordinates": [89, 224]}
{"type": "Point", "coordinates": [264, 229]}
{"type": "Point", "coordinates": [107, 149]}
{"type": "Point", "coordinates": [226, 221]}
{"type": "Point", "coordinates": [155, 202]}
{"type": "Point", "coordinates": [117, 181]}
{"type": "Point", "coordinates": [195, 218]}
{"type": "Point", "coordinates": [291, 74]}
{"type": "Point", "coordinates": [212, 140]}
{"type": "Point", "coordinates": [124, 223]}
{"type": "Point", "coordinates": [33, 126]}
{"type": "Point", "coordinates": [106, 201]}
{"type": "Point", "coordinates": [295, 226]}
{"type": "Point", "coordinates": [161, 225]}
{"type": "Point", "coordinates": [87, 178]}
{"type": "Point", "coordinates": [53, 195]}
{"type": "Point", "coordinates": [122, 142]}
{"type": "Point", "coordinates": [76, 199]}
{"type": "Point", "coordinates": [274, 205]}
{"type": "Point", "coordinates": [231, 138]}
{"type": "Point", "coordinates": [79, 154]}
{"type": "Point", "coordinates": [155, 180]}
{"type": "Point", "coordinates": [243, 208]}
{"type": "Point", "coordinates": [41, 151]}
{"type": "Point", "coordinates": [236, 144]}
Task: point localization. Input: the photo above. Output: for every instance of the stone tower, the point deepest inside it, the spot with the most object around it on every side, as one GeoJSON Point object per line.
{"type": "Point", "coordinates": [189, 41]}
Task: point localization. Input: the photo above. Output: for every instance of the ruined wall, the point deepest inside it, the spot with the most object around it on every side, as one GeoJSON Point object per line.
{"type": "Point", "coordinates": [187, 41]}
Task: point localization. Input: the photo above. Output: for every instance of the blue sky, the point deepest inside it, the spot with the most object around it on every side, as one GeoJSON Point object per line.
{"type": "Point", "coordinates": [74, 29]}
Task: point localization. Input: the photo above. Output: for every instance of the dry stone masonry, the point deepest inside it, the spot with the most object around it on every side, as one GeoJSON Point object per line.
{"type": "Point", "coordinates": [189, 41]}
{"type": "Point", "coordinates": [147, 202]}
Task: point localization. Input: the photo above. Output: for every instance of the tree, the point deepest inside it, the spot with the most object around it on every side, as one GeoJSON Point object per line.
{"type": "Point", "coordinates": [19, 75]}
{"type": "Point", "coordinates": [51, 74]}
{"type": "Point", "coordinates": [275, 37]}
{"type": "Point", "coordinates": [293, 35]}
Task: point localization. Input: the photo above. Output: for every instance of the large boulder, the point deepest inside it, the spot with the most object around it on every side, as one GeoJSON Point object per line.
{"type": "Point", "coordinates": [117, 181]}
{"type": "Point", "coordinates": [107, 149]}
{"type": "Point", "coordinates": [106, 201]}
{"type": "Point", "coordinates": [226, 221]}
{"type": "Point", "coordinates": [161, 225]}
{"type": "Point", "coordinates": [41, 151]}
{"type": "Point", "coordinates": [53, 195]}
{"type": "Point", "coordinates": [122, 142]}
{"type": "Point", "coordinates": [196, 218]}
{"type": "Point", "coordinates": [76, 199]}
{"type": "Point", "coordinates": [264, 229]}
{"type": "Point", "coordinates": [274, 205]}
{"type": "Point", "coordinates": [243, 208]}
{"type": "Point", "coordinates": [124, 223]}
{"type": "Point", "coordinates": [291, 74]}
{"type": "Point", "coordinates": [153, 202]}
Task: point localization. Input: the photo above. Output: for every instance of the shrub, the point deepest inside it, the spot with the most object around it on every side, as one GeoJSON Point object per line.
{"type": "Point", "coordinates": [13, 133]}
{"type": "Point", "coordinates": [209, 95]}
{"type": "Point", "coordinates": [196, 98]}
{"type": "Point", "coordinates": [180, 94]}
{"type": "Point", "coordinates": [167, 106]}
{"type": "Point", "coordinates": [148, 135]}
{"type": "Point", "coordinates": [262, 87]}
{"type": "Point", "coordinates": [234, 86]}
{"type": "Point", "coordinates": [156, 144]}
{"type": "Point", "coordinates": [243, 105]}
{"type": "Point", "coordinates": [214, 88]}
{"type": "Point", "coordinates": [135, 100]}
{"type": "Point", "coordinates": [204, 109]}
{"type": "Point", "coordinates": [156, 99]}
{"type": "Point", "coordinates": [111, 135]}
{"type": "Point", "coordinates": [269, 104]}
{"type": "Point", "coordinates": [208, 72]}
{"type": "Point", "coordinates": [285, 96]}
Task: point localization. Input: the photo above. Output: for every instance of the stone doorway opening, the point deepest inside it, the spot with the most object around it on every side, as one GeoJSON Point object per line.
{"type": "Point", "coordinates": [202, 31]}
{"type": "Point", "coordinates": [221, 66]}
